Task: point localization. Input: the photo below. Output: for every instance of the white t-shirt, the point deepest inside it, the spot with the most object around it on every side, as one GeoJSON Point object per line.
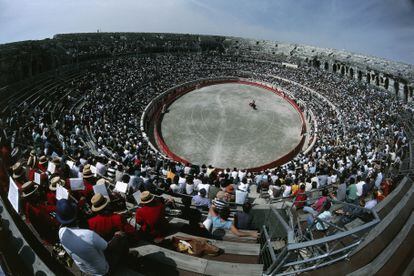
{"type": "Point", "coordinates": [203, 186]}
{"type": "Point", "coordinates": [189, 189]}
{"type": "Point", "coordinates": [86, 249]}
{"type": "Point", "coordinates": [359, 186]}
{"type": "Point", "coordinates": [287, 191]}
{"type": "Point", "coordinates": [327, 216]}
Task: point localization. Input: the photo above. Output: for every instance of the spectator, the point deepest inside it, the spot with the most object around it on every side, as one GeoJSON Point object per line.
{"type": "Point", "coordinates": [200, 199]}
{"type": "Point", "coordinates": [222, 222]}
{"type": "Point", "coordinates": [86, 248]}
{"type": "Point", "coordinates": [151, 217]}
{"type": "Point", "coordinates": [243, 219]}
{"type": "Point", "coordinates": [106, 223]}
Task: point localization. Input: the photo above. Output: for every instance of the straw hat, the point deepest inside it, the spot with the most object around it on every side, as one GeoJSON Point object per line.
{"type": "Point", "coordinates": [32, 161]}
{"type": "Point", "coordinates": [56, 181]}
{"type": "Point", "coordinates": [146, 197]}
{"type": "Point", "coordinates": [18, 170]}
{"type": "Point", "coordinates": [29, 188]}
{"type": "Point", "coordinates": [99, 202]}
{"type": "Point", "coordinates": [42, 160]}
{"type": "Point", "coordinates": [56, 160]}
{"type": "Point", "coordinates": [87, 173]}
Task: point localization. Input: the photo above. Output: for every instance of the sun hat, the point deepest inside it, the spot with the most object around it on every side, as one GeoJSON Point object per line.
{"type": "Point", "coordinates": [66, 211]}
{"type": "Point", "coordinates": [87, 173]}
{"type": "Point", "coordinates": [29, 188]}
{"type": "Point", "coordinates": [56, 181]}
{"type": "Point", "coordinates": [17, 169]}
{"type": "Point", "coordinates": [56, 160]}
{"type": "Point", "coordinates": [146, 197]}
{"type": "Point", "coordinates": [31, 162]}
{"type": "Point", "coordinates": [99, 202]}
{"type": "Point", "coordinates": [43, 160]}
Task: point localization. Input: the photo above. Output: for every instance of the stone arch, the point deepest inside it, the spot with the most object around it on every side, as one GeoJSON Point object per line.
{"type": "Point", "coordinates": [396, 87]}
{"type": "Point", "coordinates": [334, 67]}
{"type": "Point", "coordinates": [359, 75]}
{"type": "Point", "coordinates": [377, 80]}
{"type": "Point", "coordinates": [386, 83]}
{"type": "Point", "coordinates": [405, 93]}
{"type": "Point", "coordinates": [351, 72]}
{"type": "Point", "coordinates": [343, 70]}
{"type": "Point", "coordinates": [368, 77]}
{"type": "Point", "coordinates": [326, 66]}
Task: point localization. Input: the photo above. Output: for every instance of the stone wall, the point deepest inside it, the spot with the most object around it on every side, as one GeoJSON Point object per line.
{"type": "Point", "coordinates": [23, 60]}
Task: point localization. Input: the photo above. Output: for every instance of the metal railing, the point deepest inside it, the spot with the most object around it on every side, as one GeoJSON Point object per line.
{"type": "Point", "coordinates": [303, 251]}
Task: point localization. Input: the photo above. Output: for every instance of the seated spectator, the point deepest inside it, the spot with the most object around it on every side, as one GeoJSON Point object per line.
{"type": "Point", "coordinates": [317, 206]}
{"type": "Point", "coordinates": [32, 164]}
{"type": "Point", "coordinates": [106, 223]}
{"type": "Point", "coordinates": [301, 197]}
{"type": "Point", "coordinates": [230, 193]}
{"type": "Point", "coordinates": [151, 217]}
{"type": "Point", "coordinates": [200, 199]}
{"type": "Point", "coordinates": [287, 188]}
{"type": "Point", "coordinates": [324, 214]}
{"type": "Point", "coordinates": [341, 190]}
{"type": "Point", "coordinates": [189, 186]}
{"type": "Point", "coordinates": [43, 163]}
{"type": "Point", "coordinates": [351, 192]}
{"type": "Point", "coordinates": [86, 248]}
{"type": "Point", "coordinates": [19, 175]}
{"type": "Point", "coordinates": [38, 214]}
{"type": "Point", "coordinates": [213, 190]}
{"type": "Point", "coordinates": [243, 219]}
{"type": "Point", "coordinates": [370, 204]}
{"type": "Point", "coordinates": [51, 193]}
{"type": "Point", "coordinates": [222, 222]}
{"type": "Point", "coordinates": [204, 185]}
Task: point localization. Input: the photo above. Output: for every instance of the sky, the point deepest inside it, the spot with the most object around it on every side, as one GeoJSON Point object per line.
{"type": "Point", "coordinates": [383, 28]}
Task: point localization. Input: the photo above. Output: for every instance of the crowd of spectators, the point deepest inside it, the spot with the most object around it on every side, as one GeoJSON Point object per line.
{"type": "Point", "coordinates": [96, 137]}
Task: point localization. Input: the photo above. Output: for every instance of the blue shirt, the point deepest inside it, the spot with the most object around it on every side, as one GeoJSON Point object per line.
{"type": "Point", "coordinates": [220, 224]}
{"type": "Point", "coordinates": [200, 201]}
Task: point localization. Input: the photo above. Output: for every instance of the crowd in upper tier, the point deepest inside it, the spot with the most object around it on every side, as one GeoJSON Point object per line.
{"type": "Point", "coordinates": [93, 147]}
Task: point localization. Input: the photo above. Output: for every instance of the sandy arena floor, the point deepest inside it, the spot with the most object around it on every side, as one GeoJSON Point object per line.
{"type": "Point", "coordinates": [215, 125]}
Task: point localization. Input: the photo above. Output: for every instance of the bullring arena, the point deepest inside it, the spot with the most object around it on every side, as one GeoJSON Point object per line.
{"type": "Point", "coordinates": [313, 178]}
{"type": "Point", "coordinates": [215, 125]}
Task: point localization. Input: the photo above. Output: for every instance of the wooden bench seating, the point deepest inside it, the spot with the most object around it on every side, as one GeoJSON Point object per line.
{"type": "Point", "coordinates": [197, 265]}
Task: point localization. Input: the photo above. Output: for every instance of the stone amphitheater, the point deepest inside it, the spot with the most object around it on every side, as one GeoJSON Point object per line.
{"type": "Point", "coordinates": [99, 108]}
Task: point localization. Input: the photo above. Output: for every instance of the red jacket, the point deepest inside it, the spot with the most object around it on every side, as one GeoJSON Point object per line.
{"type": "Point", "coordinates": [107, 224]}
{"type": "Point", "coordinates": [300, 200]}
{"type": "Point", "coordinates": [40, 218]}
{"type": "Point", "coordinates": [152, 219]}
{"type": "Point", "coordinates": [41, 167]}
{"type": "Point", "coordinates": [51, 198]}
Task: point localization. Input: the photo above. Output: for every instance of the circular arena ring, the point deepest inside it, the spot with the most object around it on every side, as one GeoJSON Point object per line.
{"type": "Point", "coordinates": [212, 122]}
